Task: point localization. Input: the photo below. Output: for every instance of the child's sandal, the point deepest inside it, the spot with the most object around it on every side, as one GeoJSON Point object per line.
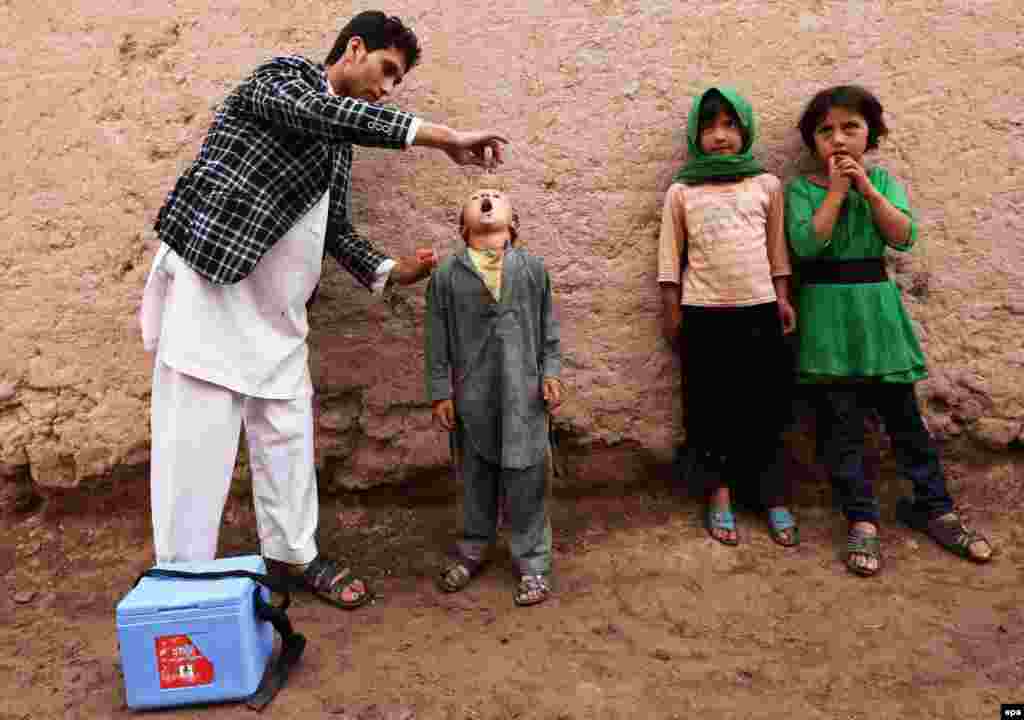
{"type": "Point", "coordinates": [861, 543]}
{"type": "Point", "coordinates": [533, 589]}
{"type": "Point", "coordinates": [721, 520]}
{"type": "Point", "coordinates": [783, 527]}
{"type": "Point", "coordinates": [456, 574]}
{"type": "Point", "coordinates": [948, 530]}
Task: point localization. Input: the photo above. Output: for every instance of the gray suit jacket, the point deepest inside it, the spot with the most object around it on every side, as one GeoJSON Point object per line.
{"type": "Point", "coordinates": [492, 357]}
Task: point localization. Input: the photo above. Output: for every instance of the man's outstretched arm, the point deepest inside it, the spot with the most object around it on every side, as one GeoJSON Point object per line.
{"type": "Point", "coordinates": [483, 148]}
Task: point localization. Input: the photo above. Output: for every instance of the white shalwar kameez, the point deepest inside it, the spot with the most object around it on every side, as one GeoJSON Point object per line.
{"type": "Point", "coordinates": [227, 356]}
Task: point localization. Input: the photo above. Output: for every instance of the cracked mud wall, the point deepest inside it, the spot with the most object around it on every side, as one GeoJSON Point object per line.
{"type": "Point", "coordinates": [105, 103]}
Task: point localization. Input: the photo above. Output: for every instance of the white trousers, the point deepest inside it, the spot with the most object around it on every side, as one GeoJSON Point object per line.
{"type": "Point", "coordinates": [196, 427]}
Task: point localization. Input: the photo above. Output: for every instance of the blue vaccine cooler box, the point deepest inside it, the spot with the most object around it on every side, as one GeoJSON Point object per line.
{"type": "Point", "coordinates": [193, 641]}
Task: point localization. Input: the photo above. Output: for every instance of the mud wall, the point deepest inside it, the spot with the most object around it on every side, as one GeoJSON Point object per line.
{"type": "Point", "coordinates": [105, 103]}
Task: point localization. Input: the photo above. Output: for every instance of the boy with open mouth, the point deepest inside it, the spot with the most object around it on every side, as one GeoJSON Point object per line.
{"type": "Point", "coordinates": [492, 364]}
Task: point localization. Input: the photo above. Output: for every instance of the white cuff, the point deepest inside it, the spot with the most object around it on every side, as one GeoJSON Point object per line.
{"type": "Point", "coordinates": [414, 127]}
{"type": "Point", "coordinates": [381, 276]}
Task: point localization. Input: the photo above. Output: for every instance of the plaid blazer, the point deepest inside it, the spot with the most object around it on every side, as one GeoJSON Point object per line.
{"type": "Point", "coordinates": [277, 142]}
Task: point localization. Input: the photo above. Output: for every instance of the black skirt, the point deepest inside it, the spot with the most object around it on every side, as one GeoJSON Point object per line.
{"type": "Point", "coordinates": [737, 389]}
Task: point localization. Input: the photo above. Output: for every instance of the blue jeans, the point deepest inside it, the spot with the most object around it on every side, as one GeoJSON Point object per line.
{"type": "Point", "coordinates": [842, 412]}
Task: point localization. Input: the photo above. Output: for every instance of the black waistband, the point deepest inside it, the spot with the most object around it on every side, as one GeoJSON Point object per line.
{"type": "Point", "coordinates": [843, 272]}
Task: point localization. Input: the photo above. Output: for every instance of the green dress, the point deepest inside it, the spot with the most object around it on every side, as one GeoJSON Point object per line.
{"type": "Point", "coordinates": [851, 332]}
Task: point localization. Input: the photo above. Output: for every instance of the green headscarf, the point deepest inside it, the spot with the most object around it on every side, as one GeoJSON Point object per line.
{"type": "Point", "coordinates": [701, 167]}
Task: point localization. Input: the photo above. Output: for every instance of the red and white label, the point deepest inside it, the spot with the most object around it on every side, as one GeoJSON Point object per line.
{"type": "Point", "coordinates": [180, 663]}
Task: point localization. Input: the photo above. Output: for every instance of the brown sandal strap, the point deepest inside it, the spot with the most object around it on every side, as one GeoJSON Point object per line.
{"type": "Point", "coordinates": [321, 574]}
{"type": "Point", "coordinates": [957, 537]}
{"type": "Point", "coordinates": [870, 546]}
{"type": "Point", "coordinates": [529, 584]}
{"type": "Point", "coordinates": [467, 569]}
{"type": "Point", "coordinates": [462, 575]}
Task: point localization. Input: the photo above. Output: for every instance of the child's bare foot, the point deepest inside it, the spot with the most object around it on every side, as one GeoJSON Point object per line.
{"type": "Point", "coordinates": [863, 550]}
{"type": "Point", "coordinates": [721, 522]}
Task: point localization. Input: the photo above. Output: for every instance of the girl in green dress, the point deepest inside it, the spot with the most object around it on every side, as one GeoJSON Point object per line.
{"type": "Point", "coordinates": [857, 343]}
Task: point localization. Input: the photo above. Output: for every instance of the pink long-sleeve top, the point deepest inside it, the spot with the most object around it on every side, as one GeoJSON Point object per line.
{"type": "Point", "coordinates": [733, 238]}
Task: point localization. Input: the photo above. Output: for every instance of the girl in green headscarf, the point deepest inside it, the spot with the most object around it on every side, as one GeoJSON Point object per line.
{"type": "Point", "coordinates": [723, 267]}
{"type": "Point", "coordinates": [706, 164]}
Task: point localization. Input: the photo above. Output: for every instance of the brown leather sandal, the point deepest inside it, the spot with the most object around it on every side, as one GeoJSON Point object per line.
{"type": "Point", "coordinates": [533, 589]}
{"type": "Point", "coordinates": [456, 573]}
{"type": "Point", "coordinates": [859, 542]}
{"type": "Point", "coordinates": [327, 582]}
{"type": "Point", "coordinates": [948, 530]}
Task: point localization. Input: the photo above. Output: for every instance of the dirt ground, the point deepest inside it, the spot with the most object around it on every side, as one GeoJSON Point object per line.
{"type": "Point", "coordinates": [651, 618]}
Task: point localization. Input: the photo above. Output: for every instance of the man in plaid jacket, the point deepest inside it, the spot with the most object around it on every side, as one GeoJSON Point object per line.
{"type": "Point", "coordinates": [244, 233]}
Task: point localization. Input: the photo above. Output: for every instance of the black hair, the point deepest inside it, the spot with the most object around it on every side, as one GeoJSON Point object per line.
{"type": "Point", "coordinates": [379, 32]}
{"type": "Point", "coordinates": [712, 104]}
{"type": "Point", "coordinates": [851, 97]}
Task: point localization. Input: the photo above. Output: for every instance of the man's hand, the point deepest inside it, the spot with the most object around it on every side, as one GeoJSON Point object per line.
{"type": "Point", "coordinates": [552, 392]}
{"type": "Point", "coordinates": [787, 316]}
{"type": "Point", "coordinates": [444, 414]}
{"type": "Point", "coordinates": [483, 149]}
{"type": "Point", "coordinates": [410, 269]}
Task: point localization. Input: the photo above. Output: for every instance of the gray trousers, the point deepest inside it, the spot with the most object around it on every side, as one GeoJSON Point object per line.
{"type": "Point", "coordinates": [524, 493]}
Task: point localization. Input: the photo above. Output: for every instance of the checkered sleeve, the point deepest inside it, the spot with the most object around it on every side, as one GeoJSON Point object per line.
{"type": "Point", "coordinates": [286, 93]}
{"type": "Point", "coordinates": [354, 253]}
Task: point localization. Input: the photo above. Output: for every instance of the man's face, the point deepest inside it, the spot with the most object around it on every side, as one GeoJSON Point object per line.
{"type": "Point", "coordinates": [487, 210]}
{"type": "Point", "coordinates": [371, 76]}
